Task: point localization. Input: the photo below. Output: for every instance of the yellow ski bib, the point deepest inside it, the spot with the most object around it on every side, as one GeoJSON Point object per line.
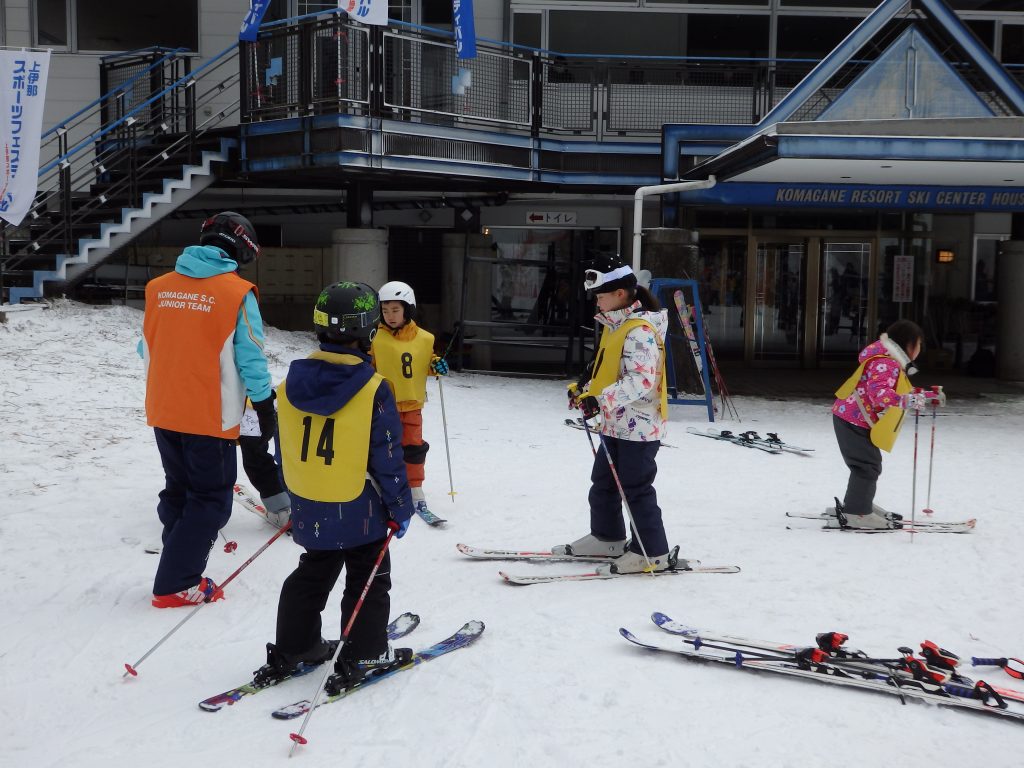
{"type": "Point", "coordinates": [324, 458]}
{"type": "Point", "coordinates": [609, 354]}
{"type": "Point", "coordinates": [405, 364]}
{"type": "Point", "coordinates": [886, 428]}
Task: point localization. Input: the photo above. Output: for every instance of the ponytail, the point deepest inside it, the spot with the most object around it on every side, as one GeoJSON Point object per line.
{"type": "Point", "coordinates": [647, 299]}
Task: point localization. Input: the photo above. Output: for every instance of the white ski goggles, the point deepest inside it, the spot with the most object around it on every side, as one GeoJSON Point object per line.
{"type": "Point", "coordinates": [593, 279]}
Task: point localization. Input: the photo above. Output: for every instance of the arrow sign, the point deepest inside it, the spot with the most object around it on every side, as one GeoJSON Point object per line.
{"type": "Point", "coordinates": [552, 218]}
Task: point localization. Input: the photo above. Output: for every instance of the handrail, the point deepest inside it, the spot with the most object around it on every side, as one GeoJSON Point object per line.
{"type": "Point", "coordinates": [88, 141]}
{"type": "Point", "coordinates": [112, 92]}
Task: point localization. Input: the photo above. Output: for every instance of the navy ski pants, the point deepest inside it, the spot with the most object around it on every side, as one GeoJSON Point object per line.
{"type": "Point", "coordinates": [636, 466]}
{"type": "Point", "coordinates": [194, 505]}
{"type": "Point", "coordinates": [305, 592]}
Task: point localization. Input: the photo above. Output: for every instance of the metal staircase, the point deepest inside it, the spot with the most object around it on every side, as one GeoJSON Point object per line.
{"type": "Point", "coordinates": [118, 166]}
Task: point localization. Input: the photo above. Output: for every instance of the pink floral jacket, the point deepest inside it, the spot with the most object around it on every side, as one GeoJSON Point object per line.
{"type": "Point", "coordinates": [877, 385]}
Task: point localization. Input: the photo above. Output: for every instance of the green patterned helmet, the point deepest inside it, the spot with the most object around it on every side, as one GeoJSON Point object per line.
{"type": "Point", "coordinates": [346, 312]}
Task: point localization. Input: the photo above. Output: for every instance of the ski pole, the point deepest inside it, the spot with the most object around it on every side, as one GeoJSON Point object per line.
{"type": "Point", "coordinates": [1011, 666]}
{"type": "Point", "coordinates": [622, 492]}
{"type": "Point", "coordinates": [447, 452]}
{"type": "Point", "coordinates": [130, 669]}
{"type": "Point", "coordinates": [913, 480]}
{"type": "Point", "coordinates": [297, 738]}
{"type": "Point", "coordinates": [931, 456]}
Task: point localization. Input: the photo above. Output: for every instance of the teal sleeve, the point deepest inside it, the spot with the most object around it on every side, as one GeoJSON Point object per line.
{"type": "Point", "coordinates": [248, 344]}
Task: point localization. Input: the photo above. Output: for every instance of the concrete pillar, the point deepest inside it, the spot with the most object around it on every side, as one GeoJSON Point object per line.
{"type": "Point", "coordinates": [671, 253]}
{"type": "Point", "coordinates": [478, 292]}
{"type": "Point", "coordinates": [1009, 339]}
{"type": "Point", "coordinates": [360, 255]}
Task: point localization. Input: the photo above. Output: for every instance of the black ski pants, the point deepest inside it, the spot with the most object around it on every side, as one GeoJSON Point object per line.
{"type": "Point", "coordinates": [260, 467]}
{"type": "Point", "coordinates": [305, 592]}
{"type": "Point", "coordinates": [199, 475]}
{"type": "Point", "coordinates": [637, 468]}
{"type": "Point", "coordinates": [865, 462]}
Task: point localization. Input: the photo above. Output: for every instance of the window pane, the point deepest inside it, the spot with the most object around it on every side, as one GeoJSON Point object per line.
{"type": "Point", "coordinates": [811, 37]}
{"type": "Point", "coordinates": [526, 29]}
{"type": "Point", "coordinates": [763, 3]}
{"type": "Point", "coordinates": [1002, 6]}
{"type": "Point", "coordinates": [985, 30]}
{"type": "Point", "coordinates": [1013, 44]}
{"type": "Point", "coordinates": [124, 25]}
{"type": "Point", "coordinates": [832, 3]}
{"type": "Point", "coordinates": [727, 35]}
{"type": "Point", "coordinates": [51, 22]}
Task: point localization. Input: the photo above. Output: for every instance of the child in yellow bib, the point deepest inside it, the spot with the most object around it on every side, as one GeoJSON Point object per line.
{"type": "Point", "coordinates": [867, 416]}
{"type": "Point", "coordinates": [403, 353]}
{"type": "Point", "coordinates": [626, 386]}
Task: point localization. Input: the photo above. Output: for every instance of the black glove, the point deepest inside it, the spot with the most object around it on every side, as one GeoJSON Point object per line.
{"type": "Point", "coordinates": [268, 418]}
{"type": "Point", "coordinates": [590, 407]}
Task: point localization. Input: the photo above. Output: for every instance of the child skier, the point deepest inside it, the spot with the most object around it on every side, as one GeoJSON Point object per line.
{"type": "Point", "coordinates": [867, 416]}
{"type": "Point", "coordinates": [403, 353]}
{"type": "Point", "coordinates": [627, 387]}
{"type": "Point", "coordinates": [346, 478]}
{"type": "Point", "coordinates": [263, 472]}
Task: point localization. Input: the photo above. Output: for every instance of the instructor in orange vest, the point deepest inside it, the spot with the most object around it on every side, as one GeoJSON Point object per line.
{"type": "Point", "coordinates": [203, 348]}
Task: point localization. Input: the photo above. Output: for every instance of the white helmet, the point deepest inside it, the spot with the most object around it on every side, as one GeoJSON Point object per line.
{"type": "Point", "coordinates": [397, 291]}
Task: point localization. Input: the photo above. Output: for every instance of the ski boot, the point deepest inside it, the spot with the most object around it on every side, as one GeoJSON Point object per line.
{"type": "Point", "coordinates": [350, 673]}
{"type": "Point", "coordinates": [280, 666]}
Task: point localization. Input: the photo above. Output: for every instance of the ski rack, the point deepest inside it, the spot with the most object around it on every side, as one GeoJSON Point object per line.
{"type": "Point", "coordinates": [665, 287]}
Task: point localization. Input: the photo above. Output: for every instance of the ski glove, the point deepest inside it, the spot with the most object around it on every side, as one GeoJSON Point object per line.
{"type": "Point", "coordinates": [399, 528]}
{"type": "Point", "coordinates": [919, 400]}
{"type": "Point", "coordinates": [438, 366]}
{"type": "Point", "coordinates": [268, 418]}
{"type": "Point", "coordinates": [586, 403]}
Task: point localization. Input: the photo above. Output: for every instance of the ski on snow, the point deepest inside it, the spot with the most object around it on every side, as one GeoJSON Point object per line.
{"type": "Point", "coordinates": [247, 499]}
{"type": "Point", "coordinates": [464, 637]}
{"type": "Point", "coordinates": [429, 517]}
{"type": "Point", "coordinates": [904, 525]}
{"type": "Point", "coordinates": [578, 424]}
{"type": "Point", "coordinates": [524, 554]}
{"type": "Point", "coordinates": [853, 660]}
{"type": "Point", "coordinates": [730, 437]}
{"type": "Point", "coordinates": [397, 629]}
{"type": "Point", "coordinates": [836, 674]}
{"type": "Point", "coordinates": [676, 567]}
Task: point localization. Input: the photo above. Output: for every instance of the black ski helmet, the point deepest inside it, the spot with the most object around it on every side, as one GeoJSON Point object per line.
{"type": "Point", "coordinates": [233, 234]}
{"type": "Point", "coordinates": [346, 312]}
{"type": "Point", "coordinates": [606, 273]}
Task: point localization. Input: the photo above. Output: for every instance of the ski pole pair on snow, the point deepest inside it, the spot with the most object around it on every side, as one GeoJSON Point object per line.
{"type": "Point", "coordinates": [931, 457]}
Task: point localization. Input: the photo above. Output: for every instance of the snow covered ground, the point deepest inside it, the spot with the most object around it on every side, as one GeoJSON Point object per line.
{"type": "Point", "coordinates": [550, 683]}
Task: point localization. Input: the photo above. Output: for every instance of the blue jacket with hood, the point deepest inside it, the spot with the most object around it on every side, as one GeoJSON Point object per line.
{"type": "Point", "coordinates": [321, 387]}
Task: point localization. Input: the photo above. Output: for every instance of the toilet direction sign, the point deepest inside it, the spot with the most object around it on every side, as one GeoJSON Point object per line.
{"type": "Point", "coordinates": [551, 218]}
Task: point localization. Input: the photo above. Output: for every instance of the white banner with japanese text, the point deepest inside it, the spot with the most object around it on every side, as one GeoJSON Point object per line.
{"type": "Point", "coordinates": [366, 11]}
{"type": "Point", "coordinates": [22, 97]}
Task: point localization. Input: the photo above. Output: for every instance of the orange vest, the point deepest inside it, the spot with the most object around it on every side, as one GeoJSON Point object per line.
{"type": "Point", "coordinates": [192, 381]}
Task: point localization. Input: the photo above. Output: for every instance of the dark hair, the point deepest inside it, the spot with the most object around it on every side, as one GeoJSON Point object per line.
{"type": "Point", "coordinates": [647, 299]}
{"type": "Point", "coordinates": [905, 333]}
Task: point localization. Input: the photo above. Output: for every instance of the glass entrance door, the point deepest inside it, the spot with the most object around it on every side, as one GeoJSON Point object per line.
{"type": "Point", "coordinates": [843, 323]}
{"type": "Point", "coordinates": [780, 283]}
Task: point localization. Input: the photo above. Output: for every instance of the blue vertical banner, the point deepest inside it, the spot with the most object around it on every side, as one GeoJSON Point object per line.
{"type": "Point", "coordinates": [253, 19]}
{"type": "Point", "coordinates": [465, 29]}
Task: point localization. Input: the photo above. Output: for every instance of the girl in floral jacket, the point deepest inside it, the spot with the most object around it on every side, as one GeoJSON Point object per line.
{"type": "Point", "coordinates": [627, 387]}
{"type": "Point", "coordinates": [867, 415]}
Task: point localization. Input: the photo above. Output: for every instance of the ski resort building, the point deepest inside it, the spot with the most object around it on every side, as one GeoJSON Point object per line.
{"type": "Point", "coordinates": [858, 163]}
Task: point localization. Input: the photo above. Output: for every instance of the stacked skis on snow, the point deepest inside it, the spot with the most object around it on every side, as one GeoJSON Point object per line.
{"type": "Point", "coordinates": [931, 678]}
{"type": "Point", "coordinates": [677, 565]}
{"type": "Point", "coordinates": [749, 439]}
{"type": "Point", "coordinates": [831, 523]}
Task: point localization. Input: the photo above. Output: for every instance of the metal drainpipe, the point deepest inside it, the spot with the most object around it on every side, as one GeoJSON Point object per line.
{"type": "Point", "coordinates": [657, 189]}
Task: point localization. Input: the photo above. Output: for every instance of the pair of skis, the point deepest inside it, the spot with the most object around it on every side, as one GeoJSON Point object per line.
{"type": "Point", "coordinates": [677, 565]}
{"type": "Point", "coordinates": [684, 312]}
{"type": "Point", "coordinates": [750, 439]}
{"type": "Point", "coordinates": [397, 629]}
{"type": "Point", "coordinates": [831, 523]}
{"type": "Point", "coordinates": [851, 670]}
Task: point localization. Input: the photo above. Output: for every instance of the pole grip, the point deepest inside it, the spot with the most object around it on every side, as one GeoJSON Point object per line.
{"type": "Point", "coordinates": [986, 662]}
